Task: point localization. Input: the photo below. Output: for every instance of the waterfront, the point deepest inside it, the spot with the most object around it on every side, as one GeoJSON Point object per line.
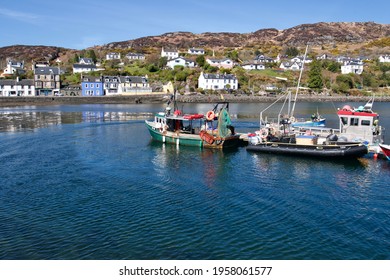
{"type": "Point", "coordinates": [86, 182]}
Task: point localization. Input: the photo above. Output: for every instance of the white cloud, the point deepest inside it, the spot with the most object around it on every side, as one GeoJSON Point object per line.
{"type": "Point", "coordinates": [20, 16]}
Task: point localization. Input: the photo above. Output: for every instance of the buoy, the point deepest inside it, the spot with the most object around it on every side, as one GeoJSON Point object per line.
{"type": "Point", "coordinates": [375, 156]}
{"type": "Point", "coordinates": [210, 115]}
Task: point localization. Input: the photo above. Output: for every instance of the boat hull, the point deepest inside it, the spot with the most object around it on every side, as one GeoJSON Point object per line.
{"type": "Point", "coordinates": [186, 139]}
{"type": "Point", "coordinates": [347, 150]}
{"type": "Point", "coordinates": [385, 150]}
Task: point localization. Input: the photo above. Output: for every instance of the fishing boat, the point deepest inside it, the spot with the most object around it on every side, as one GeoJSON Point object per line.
{"type": "Point", "coordinates": [386, 150]}
{"type": "Point", "coordinates": [316, 120]}
{"type": "Point", "coordinates": [211, 130]}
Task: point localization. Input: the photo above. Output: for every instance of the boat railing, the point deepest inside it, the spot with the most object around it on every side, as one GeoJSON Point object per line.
{"type": "Point", "coordinates": [321, 131]}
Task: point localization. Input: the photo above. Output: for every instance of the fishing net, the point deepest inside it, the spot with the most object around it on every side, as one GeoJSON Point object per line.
{"type": "Point", "coordinates": [223, 123]}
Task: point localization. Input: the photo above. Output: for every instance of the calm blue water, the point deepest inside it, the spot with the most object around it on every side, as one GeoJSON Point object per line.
{"type": "Point", "coordinates": [86, 182]}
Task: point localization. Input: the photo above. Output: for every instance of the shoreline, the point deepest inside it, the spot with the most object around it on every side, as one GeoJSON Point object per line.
{"type": "Point", "coordinates": [162, 98]}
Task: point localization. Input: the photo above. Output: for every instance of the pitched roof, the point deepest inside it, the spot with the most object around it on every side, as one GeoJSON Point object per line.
{"type": "Point", "coordinates": [24, 82]}
{"type": "Point", "coordinates": [46, 71]}
{"type": "Point", "coordinates": [219, 76]}
{"type": "Point", "coordinates": [133, 79]}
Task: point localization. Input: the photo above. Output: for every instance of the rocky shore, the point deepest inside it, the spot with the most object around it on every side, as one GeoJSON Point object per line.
{"type": "Point", "coordinates": [161, 98]}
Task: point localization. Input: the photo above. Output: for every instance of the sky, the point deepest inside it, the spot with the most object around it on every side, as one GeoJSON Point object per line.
{"type": "Point", "coordinates": [87, 23]}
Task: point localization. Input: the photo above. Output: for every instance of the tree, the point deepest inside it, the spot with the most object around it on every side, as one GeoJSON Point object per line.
{"type": "Point", "coordinates": [200, 60]}
{"type": "Point", "coordinates": [315, 76]}
{"type": "Point", "coordinates": [334, 67]}
{"type": "Point", "coordinates": [292, 51]}
{"type": "Point", "coordinates": [91, 54]}
{"type": "Point", "coordinates": [233, 55]}
{"type": "Point", "coordinates": [162, 62]}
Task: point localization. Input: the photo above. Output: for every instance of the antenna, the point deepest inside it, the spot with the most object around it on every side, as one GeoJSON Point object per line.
{"type": "Point", "coordinates": [299, 81]}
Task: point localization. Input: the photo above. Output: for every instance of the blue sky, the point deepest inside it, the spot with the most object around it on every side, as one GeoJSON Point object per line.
{"type": "Point", "coordinates": [85, 23]}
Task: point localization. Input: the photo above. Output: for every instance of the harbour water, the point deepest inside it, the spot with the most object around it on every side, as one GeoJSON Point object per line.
{"type": "Point", "coordinates": [87, 182]}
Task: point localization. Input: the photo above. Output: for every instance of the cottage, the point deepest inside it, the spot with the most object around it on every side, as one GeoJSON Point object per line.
{"type": "Point", "coordinates": [92, 86]}
{"type": "Point", "coordinates": [217, 81]}
{"type": "Point", "coordinates": [85, 60]}
{"type": "Point", "coordinates": [324, 56]}
{"type": "Point", "coordinates": [135, 56]}
{"type": "Point", "coordinates": [17, 87]}
{"type": "Point", "coordinates": [301, 59]}
{"type": "Point", "coordinates": [113, 55]}
{"type": "Point", "coordinates": [253, 66]}
{"type": "Point", "coordinates": [134, 85]}
{"type": "Point", "coordinates": [260, 59]}
{"type": "Point", "coordinates": [220, 63]}
{"type": "Point", "coordinates": [293, 66]}
{"type": "Point", "coordinates": [352, 67]}
{"type": "Point", "coordinates": [80, 68]}
{"type": "Point", "coordinates": [180, 61]}
{"type": "Point", "coordinates": [13, 68]}
{"type": "Point", "coordinates": [169, 53]}
{"type": "Point", "coordinates": [384, 58]}
{"type": "Point", "coordinates": [194, 51]}
{"type": "Point", "coordinates": [47, 80]}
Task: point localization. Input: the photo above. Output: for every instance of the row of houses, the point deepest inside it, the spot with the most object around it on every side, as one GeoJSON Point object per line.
{"type": "Point", "coordinates": [48, 84]}
{"type": "Point", "coordinates": [114, 85]}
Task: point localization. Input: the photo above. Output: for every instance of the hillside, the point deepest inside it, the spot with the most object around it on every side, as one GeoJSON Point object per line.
{"type": "Point", "coordinates": [317, 34]}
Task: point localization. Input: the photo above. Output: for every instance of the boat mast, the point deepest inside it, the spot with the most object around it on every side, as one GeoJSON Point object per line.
{"type": "Point", "coordinates": [291, 114]}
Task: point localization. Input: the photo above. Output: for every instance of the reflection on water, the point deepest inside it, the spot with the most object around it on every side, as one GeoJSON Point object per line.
{"type": "Point", "coordinates": [26, 120]}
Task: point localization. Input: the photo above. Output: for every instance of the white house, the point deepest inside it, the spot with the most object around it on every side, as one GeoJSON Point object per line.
{"type": "Point", "coordinates": [84, 65]}
{"type": "Point", "coordinates": [352, 67]}
{"type": "Point", "coordinates": [113, 55]}
{"type": "Point", "coordinates": [301, 59]}
{"type": "Point", "coordinates": [169, 53]}
{"type": "Point", "coordinates": [253, 66]}
{"type": "Point", "coordinates": [220, 63]}
{"type": "Point", "coordinates": [17, 87]}
{"type": "Point", "coordinates": [180, 61]}
{"type": "Point", "coordinates": [293, 66]}
{"type": "Point", "coordinates": [323, 56]}
{"type": "Point", "coordinates": [82, 68]}
{"type": "Point", "coordinates": [135, 56]}
{"type": "Point", "coordinates": [134, 84]}
{"type": "Point", "coordinates": [196, 51]}
{"type": "Point", "coordinates": [13, 67]}
{"type": "Point", "coordinates": [384, 58]}
{"type": "Point", "coordinates": [263, 59]}
{"type": "Point", "coordinates": [217, 81]}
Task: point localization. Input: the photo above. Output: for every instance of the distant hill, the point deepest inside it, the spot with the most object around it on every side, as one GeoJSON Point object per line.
{"type": "Point", "coordinates": [317, 34]}
{"type": "Point", "coordinates": [29, 53]}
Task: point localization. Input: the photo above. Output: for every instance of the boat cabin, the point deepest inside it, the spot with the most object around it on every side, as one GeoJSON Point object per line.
{"type": "Point", "coordinates": [190, 124]}
{"type": "Point", "coordinates": [360, 124]}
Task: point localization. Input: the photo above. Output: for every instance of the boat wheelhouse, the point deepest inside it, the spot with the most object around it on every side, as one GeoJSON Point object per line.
{"type": "Point", "coordinates": [360, 124]}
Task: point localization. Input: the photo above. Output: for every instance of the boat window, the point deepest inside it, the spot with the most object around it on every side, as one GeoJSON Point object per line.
{"type": "Point", "coordinates": [354, 121]}
{"type": "Point", "coordinates": [344, 120]}
{"type": "Point", "coordinates": [366, 122]}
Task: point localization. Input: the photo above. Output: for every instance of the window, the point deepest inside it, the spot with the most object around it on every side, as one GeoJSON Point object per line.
{"type": "Point", "coordinates": [365, 122]}
{"type": "Point", "coordinates": [344, 120]}
{"type": "Point", "coordinates": [354, 122]}
{"type": "Point", "coordinates": [91, 85]}
{"type": "Point", "coordinates": [86, 85]}
{"type": "Point", "coordinates": [97, 85]}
